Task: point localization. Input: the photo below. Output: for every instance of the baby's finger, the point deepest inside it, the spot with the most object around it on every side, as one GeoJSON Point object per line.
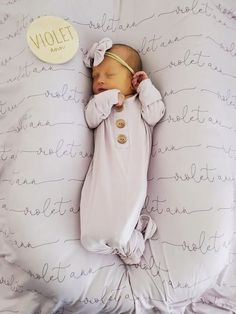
{"type": "Point", "coordinates": [134, 82]}
{"type": "Point", "coordinates": [121, 99]}
{"type": "Point", "coordinates": [141, 75]}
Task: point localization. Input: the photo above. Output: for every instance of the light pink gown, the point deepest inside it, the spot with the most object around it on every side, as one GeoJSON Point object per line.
{"type": "Point", "coordinates": [115, 186]}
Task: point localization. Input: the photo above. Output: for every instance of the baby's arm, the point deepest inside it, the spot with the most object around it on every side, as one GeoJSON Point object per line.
{"type": "Point", "coordinates": [153, 107]}
{"type": "Point", "coordinates": [99, 107]}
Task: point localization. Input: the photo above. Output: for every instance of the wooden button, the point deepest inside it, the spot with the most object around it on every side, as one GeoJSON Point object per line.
{"type": "Point", "coordinates": [121, 138]}
{"type": "Point", "coordinates": [120, 123]}
{"type": "Point", "coordinates": [119, 108]}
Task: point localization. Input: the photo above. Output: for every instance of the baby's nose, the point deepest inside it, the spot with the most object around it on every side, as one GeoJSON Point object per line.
{"type": "Point", "coordinates": [100, 80]}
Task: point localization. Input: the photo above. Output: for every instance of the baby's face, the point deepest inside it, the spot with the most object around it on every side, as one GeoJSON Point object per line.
{"type": "Point", "coordinates": [110, 74]}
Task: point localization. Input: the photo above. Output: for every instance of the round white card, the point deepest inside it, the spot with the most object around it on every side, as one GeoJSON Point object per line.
{"type": "Point", "coordinates": [52, 39]}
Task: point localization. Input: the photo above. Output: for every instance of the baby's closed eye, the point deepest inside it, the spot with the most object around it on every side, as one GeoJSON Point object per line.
{"type": "Point", "coordinates": [110, 74]}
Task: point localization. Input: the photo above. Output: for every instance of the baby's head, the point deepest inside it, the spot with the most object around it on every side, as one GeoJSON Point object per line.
{"type": "Point", "coordinates": [112, 73]}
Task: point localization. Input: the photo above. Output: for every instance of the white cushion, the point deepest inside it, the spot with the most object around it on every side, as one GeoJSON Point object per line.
{"type": "Point", "coordinates": [188, 49]}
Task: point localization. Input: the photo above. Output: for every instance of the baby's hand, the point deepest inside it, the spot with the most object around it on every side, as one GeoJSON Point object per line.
{"type": "Point", "coordinates": [138, 78]}
{"type": "Point", "coordinates": [121, 99]}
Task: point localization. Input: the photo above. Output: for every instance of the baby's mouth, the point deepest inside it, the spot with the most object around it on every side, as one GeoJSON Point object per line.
{"type": "Point", "coordinates": [100, 90]}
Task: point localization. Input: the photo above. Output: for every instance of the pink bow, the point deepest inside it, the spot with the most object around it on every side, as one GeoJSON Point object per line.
{"type": "Point", "coordinates": [96, 54]}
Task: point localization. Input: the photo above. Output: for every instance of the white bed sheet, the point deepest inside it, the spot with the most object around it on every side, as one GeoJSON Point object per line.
{"type": "Point", "coordinates": [189, 50]}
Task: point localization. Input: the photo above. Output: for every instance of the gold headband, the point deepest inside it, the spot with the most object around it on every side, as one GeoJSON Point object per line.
{"type": "Point", "coordinates": [121, 61]}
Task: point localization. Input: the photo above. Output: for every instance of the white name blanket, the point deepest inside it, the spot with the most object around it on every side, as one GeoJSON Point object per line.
{"type": "Point", "coordinates": [188, 49]}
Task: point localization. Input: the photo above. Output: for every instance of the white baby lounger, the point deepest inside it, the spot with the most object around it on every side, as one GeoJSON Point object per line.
{"type": "Point", "coordinates": [188, 50]}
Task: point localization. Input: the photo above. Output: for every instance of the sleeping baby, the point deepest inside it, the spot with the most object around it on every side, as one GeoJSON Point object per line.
{"type": "Point", "coordinates": [123, 111]}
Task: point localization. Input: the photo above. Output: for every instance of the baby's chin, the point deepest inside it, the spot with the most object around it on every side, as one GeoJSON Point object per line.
{"type": "Point", "coordinates": [101, 90]}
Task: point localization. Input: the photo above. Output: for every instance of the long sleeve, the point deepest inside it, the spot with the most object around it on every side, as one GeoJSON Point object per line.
{"type": "Point", "coordinates": [153, 107]}
{"type": "Point", "coordinates": [99, 107]}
